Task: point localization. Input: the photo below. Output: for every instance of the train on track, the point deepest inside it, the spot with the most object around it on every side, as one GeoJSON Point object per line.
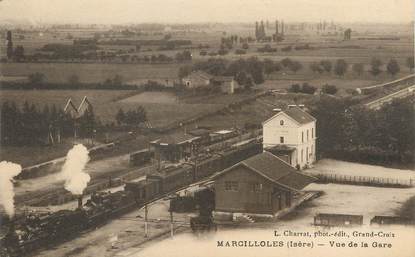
{"type": "Point", "coordinates": [35, 231]}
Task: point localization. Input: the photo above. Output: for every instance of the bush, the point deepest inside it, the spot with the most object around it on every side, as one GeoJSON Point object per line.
{"type": "Point", "coordinates": [295, 88]}
{"type": "Point", "coordinates": [308, 89]}
{"type": "Point", "coordinates": [287, 48]}
{"type": "Point", "coordinates": [286, 62]}
{"type": "Point", "coordinates": [303, 47]}
{"type": "Point", "coordinates": [340, 67]}
{"type": "Point", "coordinates": [316, 67]}
{"type": "Point", "coordinates": [326, 64]}
{"type": "Point", "coordinates": [329, 89]}
{"type": "Point", "coordinates": [295, 66]}
{"type": "Point", "coordinates": [267, 49]}
{"type": "Point", "coordinates": [305, 88]}
{"type": "Point", "coordinates": [240, 51]}
{"type": "Point", "coordinates": [223, 51]}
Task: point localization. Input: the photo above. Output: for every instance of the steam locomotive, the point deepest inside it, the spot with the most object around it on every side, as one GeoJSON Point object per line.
{"type": "Point", "coordinates": [35, 231]}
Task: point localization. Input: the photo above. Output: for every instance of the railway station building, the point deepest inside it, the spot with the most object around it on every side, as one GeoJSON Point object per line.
{"type": "Point", "coordinates": [260, 185]}
{"type": "Point", "coordinates": [291, 135]}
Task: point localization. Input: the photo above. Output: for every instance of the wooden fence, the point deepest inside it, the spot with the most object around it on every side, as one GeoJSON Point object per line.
{"type": "Point", "coordinates": [365, 180]}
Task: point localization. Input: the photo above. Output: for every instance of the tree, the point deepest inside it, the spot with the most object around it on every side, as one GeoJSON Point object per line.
{"type": "Point", "coordinates": [184, 71]}
{"type": "Point", "coordinates": [19, 53]}
{"type": "Point", "coordinates": [36, 78]}
{"type": "Point", "coordinates": [331, 115]}
{"type": "Point", "coordinates": [241, 78]}
{"type": "Point", "coordinates": [120, 116]}
{"type": "Point", "coordinates": [286, 62]}
{"type": "Point", "coordinates": [393, 67]}
{"type": "Point", "coordinates": [73, 80]}
{"type": "Point", "coordinates": [295, 88]}
{"type": "Point", "coordinates": [184, 56]}
{"type": "Point", "coordinates": [240, 51]}
{"type": "Point", "coordinates": [295, 66]}
{"type": "Point", "coordinates": [268, 66]}
{"type": "Point", "coordinates": [256, 69]}
{"type": "Point", "coordinates": [358, 68]}
{"type": "Point", "coordinates": [375, 66]}
{"type": "Point", "coordinates": [223, 51]}
{"type": "Point", "coordinates": [117, 80]}
{"type": "Point", "coordinates": [316, 67]}
{"type": "Point", "coordinates": [248, 84]}
{"type": "Point", "coordinates": [398, 121]}
{"type": "Point", "coordinates": [329, 89]}
{"type": "Point", "coordinates": [135, 117]}
{"type": "Point", "coordinates": [340, 67]}
{"type": "Point", "coordinates": [410, 63]}
{"type": "Point", "coordinates": [326, 64]}
{"type": "Point", "coordinates": [87, 123]}
{"type": "Point", "coordinates": [308, 89]}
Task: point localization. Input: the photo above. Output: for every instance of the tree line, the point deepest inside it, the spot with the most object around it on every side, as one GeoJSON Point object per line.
{"type": "Point", "coordinates": [28, 125]}
{"type": "Point", "coordinates": [340, 67]}
{"type": "Point", "coordinates": [131, 117]}
{"type": "Point", "coordinates": [355, 133]}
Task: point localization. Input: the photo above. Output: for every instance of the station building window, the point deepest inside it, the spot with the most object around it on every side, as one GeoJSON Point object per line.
{"type": "Point", "coordinates": [231, 185]}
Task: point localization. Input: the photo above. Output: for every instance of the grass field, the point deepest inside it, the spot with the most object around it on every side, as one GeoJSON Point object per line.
{"type": "Point", "coordinates": [91, 72]}
{"type": "Point", "coordinates": [163, 108]}
{"type": "Point", "coordinates": [107, 103]}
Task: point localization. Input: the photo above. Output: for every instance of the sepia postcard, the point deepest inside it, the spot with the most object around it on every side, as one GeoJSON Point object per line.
{"type": "Point", "coordinates": [196, 128]}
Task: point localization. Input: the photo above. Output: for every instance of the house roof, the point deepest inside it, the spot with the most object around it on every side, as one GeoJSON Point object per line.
{"type": "Point", "coordinates": [85, 105]}
{"type": "Point", "coordinates": [175, 139]}
{"type": "Point", "coordinates": [70, 106]}
{"type": "Point", "coordinates": [299, 115]}
{"type": "Point", "coordinates": [201, 74]}
{"type": "Point", "coordinates": [275, 170]}
{"type": "Point", "coordinates": [295, 113]}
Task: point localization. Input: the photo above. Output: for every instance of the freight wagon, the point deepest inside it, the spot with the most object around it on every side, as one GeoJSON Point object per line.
{"type": "Point", "coordinates": [34, 232]}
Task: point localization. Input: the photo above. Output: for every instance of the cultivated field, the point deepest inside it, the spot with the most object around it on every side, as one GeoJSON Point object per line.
{"type": "Point", "coordinates": [91, 73]}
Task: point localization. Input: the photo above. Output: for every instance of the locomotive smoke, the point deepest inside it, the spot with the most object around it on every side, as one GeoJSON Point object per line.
{"type": "Point", "coordinates": [72, 171]}
{"type": "Point", "coordinates": [8, 171]}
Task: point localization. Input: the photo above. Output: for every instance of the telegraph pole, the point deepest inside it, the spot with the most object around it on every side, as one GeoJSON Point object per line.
{"type": "Point", "coordinates": [145, 221]}
{"type": "Point", "coordinates": [171, 224]}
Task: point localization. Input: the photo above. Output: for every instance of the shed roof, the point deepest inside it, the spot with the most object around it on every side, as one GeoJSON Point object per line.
{"type": "Point", "coordinates": [175, 139]}
{"type": "Point", "coordinates": [199, 132]}
{"type": "Point", "coordinates": [280, 148]}
{"type": "Point", "coordinates": [275, 170]}
{"type": "Point", "coordinates": [200, 74]}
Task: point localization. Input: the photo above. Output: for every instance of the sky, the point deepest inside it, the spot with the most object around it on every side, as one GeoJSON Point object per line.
{"type": "Point", "coordinates": [189, 11]}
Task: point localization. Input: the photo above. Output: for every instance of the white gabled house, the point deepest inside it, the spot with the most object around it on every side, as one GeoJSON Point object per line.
{"type": "Point", "coordinates": [291, 135]}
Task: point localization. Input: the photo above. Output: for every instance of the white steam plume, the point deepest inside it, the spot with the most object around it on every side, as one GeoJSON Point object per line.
{"type": "Point", "coordinates": [8, 171]}
{"type": "Point", "coordinates": [72, 171]}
